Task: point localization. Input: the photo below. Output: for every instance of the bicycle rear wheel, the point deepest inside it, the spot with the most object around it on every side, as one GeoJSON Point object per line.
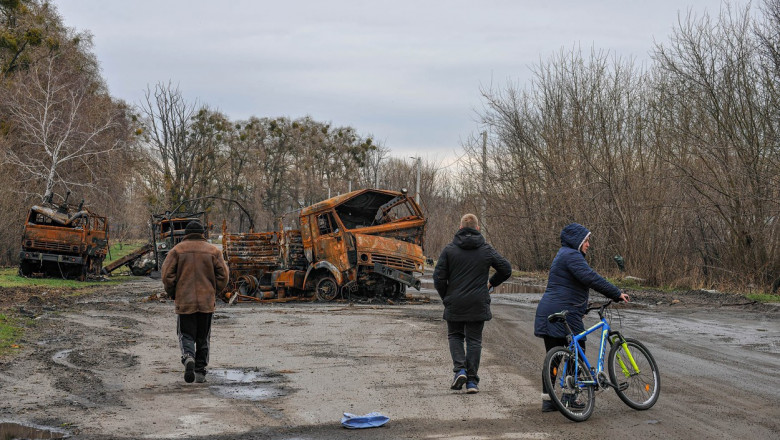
{"type": "Point", "coordinates": [574, 401]}
{"type": "Point", "coordinates": [638, 383]}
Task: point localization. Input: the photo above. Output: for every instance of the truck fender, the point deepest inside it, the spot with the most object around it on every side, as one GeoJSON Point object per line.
{"type": "Point", "coordinates": [324, 265]}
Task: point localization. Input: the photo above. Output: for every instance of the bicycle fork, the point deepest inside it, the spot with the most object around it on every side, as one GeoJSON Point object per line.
{"type": "Point", "coordinates": [618, 339]}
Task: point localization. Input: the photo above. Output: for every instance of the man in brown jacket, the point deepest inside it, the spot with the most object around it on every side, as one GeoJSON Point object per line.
{"type": "Point", "coordinates": [193, 272]}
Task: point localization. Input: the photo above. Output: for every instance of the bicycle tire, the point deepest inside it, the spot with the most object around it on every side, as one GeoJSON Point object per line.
{"type": "Point", "coordinates": [562, 395]}
{"type": "Point", "coordinates": [639, 390]}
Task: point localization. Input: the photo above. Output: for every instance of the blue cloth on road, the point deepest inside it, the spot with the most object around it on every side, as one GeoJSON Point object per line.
{"type": "Point", "coordinates": [370, 420]}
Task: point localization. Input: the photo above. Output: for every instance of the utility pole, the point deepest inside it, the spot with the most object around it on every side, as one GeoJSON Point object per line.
{"type": "Point", "coordinates": [484, 178]}
{"type": "Point", "coordinates": [417, 192]}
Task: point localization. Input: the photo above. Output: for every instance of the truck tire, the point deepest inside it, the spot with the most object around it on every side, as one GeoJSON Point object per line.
{"type": "Point", "coordinates": [327, 288]}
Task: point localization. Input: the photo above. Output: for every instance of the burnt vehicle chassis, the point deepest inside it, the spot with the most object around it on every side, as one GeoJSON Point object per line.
{"type": "Point", "coordinates": [168, 231]}
{"type": "Point", "coordinates": [364, 244]}
{"type": "Point", "coordinates": [62, 241]}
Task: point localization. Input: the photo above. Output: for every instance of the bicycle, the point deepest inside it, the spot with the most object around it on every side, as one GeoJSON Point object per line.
{"type": "Point", "coordinates": [571, 381]}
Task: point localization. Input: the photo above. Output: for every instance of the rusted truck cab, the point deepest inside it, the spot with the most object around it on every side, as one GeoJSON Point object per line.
{"type": "Point", "coordinates": [366, 243]}
{"type": "Point", "coordinates": [62, 242]}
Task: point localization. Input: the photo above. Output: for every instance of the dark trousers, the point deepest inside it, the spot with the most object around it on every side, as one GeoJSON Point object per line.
{"type": "Point", "coordinates": [194, 334]}
{"type": "Point", "coordinates": [466, 358]}
{"type": "Point", "coordinates": [550, 342]}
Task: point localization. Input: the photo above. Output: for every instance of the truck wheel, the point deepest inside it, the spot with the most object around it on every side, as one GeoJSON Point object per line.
{"type": "Point", "coordinates": [327, 289]}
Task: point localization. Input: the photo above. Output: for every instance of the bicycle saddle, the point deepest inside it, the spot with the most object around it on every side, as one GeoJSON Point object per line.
{"type": "Point", "coordinates": [558, 317]}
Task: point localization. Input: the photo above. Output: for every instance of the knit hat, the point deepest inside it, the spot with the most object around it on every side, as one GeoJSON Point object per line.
{"type": "Point", "coordinates": [193, 227]}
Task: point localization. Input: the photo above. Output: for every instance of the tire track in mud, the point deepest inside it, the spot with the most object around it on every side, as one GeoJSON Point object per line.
{"type": "Point", "coordinates": [88, 346]}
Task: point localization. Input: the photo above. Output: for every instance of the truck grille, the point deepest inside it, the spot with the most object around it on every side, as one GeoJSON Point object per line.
{"type": "Point", "coordinates": [52, 246]}
{"type": "Point", "coordinates": [394, 262]}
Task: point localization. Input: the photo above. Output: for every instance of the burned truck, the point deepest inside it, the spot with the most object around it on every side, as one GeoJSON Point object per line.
{"type": "Point", "coordinates": [366, 243]}
{"type": "Point", "coordinates": [63, 242]}
{"type": "Point", "coordinates": [168, 231]}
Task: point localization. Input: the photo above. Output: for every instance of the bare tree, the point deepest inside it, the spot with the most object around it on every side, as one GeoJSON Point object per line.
{"type": "Point", "coordinates": [167, 121]}
{"type": "Point", "coordinates": [59, 119]}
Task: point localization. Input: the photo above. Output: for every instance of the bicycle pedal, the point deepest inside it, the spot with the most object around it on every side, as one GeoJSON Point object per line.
{"type": "Point", "coordinates": [622, 386]}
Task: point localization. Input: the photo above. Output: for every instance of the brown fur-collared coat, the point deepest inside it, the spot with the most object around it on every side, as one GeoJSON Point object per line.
{"type": "Point", "coordinates": [193, 273]}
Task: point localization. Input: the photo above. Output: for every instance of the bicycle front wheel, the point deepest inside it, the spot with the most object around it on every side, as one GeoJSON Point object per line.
{"type": "Point", "coordinates": [635, 374]}
{"type": "Point", "coordinates": [564, 386]}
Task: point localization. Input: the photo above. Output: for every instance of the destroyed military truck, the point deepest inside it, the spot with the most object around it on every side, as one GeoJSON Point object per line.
{"type": "Point", "coordinates": [366, 243]}
{"type": "Point", "coordinates": [63, 242]}
{"type": "Point", "coordinates": [168, 231]}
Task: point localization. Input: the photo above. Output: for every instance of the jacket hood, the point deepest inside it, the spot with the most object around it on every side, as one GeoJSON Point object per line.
{"type": "Point", "coordinates": [468, 238]}
{"type": "Point", "coordinates": [572, 235]}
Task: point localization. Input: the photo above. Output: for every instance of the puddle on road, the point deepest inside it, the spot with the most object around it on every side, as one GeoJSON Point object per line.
{"type": "Point", "coordinates": [244, 384]}
{"type": "Point", "coordinates": [14, 430]}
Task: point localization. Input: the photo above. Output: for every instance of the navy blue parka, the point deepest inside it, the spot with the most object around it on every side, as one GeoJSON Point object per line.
{"type": "Point", "coordinates": [568, 285]}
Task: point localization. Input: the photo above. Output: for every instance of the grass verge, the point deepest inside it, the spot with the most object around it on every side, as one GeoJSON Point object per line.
{"type": "Point", "coordinates": [764, 297]}
{"type": "Point", "coordinates": [10, 332]}
{"type": "Point", "coordinates": [121, 249]}
{"type": "Point", "coordinates": [9, 277]}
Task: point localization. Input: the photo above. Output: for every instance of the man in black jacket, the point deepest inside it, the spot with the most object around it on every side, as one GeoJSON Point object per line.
{"type": "Point", "coordinates": [461, 278]}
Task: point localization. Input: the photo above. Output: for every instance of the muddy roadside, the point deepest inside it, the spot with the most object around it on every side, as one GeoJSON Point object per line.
{"type": "Point", "coordinates": [105, 365]}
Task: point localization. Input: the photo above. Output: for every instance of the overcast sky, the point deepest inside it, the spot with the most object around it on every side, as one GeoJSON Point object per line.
{"type": "Point", "coordinates": [407, 72]}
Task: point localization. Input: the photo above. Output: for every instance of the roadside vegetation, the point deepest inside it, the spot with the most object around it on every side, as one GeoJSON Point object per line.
{"type": "Point", "coordinates": [10, 331]}
{"type": "Point", "coordinates": [764, 297]}
{"type": "Point", "coordinates": [9, 277]}
{"type": "Point", "coordinates": [120, 249]}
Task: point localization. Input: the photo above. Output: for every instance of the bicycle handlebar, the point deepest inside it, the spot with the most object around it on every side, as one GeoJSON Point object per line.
{"type": "Point", "coordinates": [599, 307]}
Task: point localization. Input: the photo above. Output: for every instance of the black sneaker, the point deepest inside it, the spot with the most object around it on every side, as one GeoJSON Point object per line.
{"type": "Point", "coordinates": [189, 369]}
{"type": "Point", "coordinates": [459, 379]}
{"type": "Point", "coordinates": [200, 377]}
{"type": "Point", "coordinates": [548, 406]}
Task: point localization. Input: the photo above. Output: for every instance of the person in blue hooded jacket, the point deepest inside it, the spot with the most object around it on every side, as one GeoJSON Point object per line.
{"type": "Point", "coordinates": [568, 286]}
{"type": "Point", "coordinates": [461, 278]}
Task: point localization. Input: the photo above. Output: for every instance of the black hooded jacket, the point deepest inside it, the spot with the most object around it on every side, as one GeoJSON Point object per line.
{"type": "Point", "coordinates": [461, 276]}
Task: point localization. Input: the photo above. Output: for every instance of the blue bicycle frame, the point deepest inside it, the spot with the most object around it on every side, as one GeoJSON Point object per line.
{"type": "Point", "coordinates": [575, 345]}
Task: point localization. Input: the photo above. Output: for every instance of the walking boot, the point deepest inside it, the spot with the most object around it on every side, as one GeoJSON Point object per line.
{"type": "Point", "coordinates": [548, 406]}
